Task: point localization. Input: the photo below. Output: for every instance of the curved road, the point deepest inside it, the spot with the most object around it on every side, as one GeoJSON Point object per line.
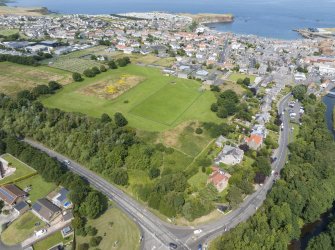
{"type": "Point", "coordinates": [158, 234]}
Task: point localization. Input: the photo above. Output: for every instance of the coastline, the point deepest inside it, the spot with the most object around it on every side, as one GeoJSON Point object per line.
{"type": "Point", "coordinates": [208, 18]}
{"type": "Point", "coordinates": [24, 11]}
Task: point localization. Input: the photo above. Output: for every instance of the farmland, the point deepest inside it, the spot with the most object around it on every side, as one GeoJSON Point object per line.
{"type": "Point", "coordinates": [158, 103]}
{"type": "Point", "coordinates": [15, 77]}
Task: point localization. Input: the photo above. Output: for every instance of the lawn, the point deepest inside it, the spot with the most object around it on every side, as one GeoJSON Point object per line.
{"type": "Point", "coordinates": [235, 76]}
{"type": "Point", "coordinates": [8, 32]}
{"type": "Point", "coordinates": [39, 187]}
{"type": "Point", "coordinates": [16, 77]}
{"type": "Point", "coordinates": [21, 229]}
{"type": "Point", "coordinates": [198, 180]}
{"type": "Point", "coordinates": [158, 103]}
{"type": "Point", "coordinates": [22, 169]}
{"type": "Point", "coordinates": [74, 64]}
{"type": "Point", "coordinates": [114, 226]}
{"type": "Point", "coordinates": [51, 241]}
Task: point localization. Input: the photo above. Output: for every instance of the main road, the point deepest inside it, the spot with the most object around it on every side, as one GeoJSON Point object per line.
{"type": "Point", "coordinates": [156, 233]}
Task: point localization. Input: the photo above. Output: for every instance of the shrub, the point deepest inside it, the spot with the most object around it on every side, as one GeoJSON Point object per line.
{"type": "Point", "coordinates": [95, 241]}
{"type": "Point", "coordinates": [199, 131]}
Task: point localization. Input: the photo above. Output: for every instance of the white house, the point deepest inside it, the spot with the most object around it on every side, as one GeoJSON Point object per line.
{"type": "Point", "coordinates": [230, 156]}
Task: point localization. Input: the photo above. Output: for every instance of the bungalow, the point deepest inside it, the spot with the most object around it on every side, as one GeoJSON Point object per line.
{"type": "Point", "coordinates": [254, 141]}
{"type": "Point", "coordinates": [11, 194]}
{"type": "Point", "coordinates": [46, 210]}
{"type": "Point", "coordinates": [230, 156]}
{"type": "Point", "coordinates": [219, 179]}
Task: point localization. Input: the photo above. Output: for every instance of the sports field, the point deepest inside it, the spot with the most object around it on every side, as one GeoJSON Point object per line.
{"type": "Point", "coordinates": [16, 77]}
{"type": "Point", "coordinates": [157, 103]}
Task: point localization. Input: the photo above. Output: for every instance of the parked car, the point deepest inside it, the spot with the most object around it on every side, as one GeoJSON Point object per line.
{"type": "Point", "coordinates": [172, 245]}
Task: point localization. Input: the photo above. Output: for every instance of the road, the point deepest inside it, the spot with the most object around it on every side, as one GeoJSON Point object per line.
{"type": "Point", "coordinates": [157, 233]}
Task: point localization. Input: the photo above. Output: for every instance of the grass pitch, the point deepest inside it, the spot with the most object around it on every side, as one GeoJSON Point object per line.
{"type": "Point", "coordinates": [158, 103]}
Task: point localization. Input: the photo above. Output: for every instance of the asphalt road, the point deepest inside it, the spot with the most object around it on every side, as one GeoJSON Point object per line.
{"type": "Point", "coordinates": [157, 233]}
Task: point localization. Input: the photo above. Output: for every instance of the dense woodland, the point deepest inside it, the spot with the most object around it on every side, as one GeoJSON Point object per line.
{"type": "Point", "coordinates": [325, 240]}
{"type": "Point", "coordinates": [306, 189]}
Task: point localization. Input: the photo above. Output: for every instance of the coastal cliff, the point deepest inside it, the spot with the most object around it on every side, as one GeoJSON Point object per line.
{"type": "Point", "coordinates": [205, 18]}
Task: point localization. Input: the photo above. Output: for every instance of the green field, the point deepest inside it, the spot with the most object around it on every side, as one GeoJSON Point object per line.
{"type": "Point", "coordinates": [16, 77]}
{"type": "Point", "coordinates": [235, 76]}
{"type": "Point", "coordinates": [8, 32]}
{"type": "Point", "coordinates": [21, 169]}
{"type": "Point", "coordinates": [114, 226]}
{"type": "Point", "coordinates": [158, 103]}
{"type": "Point", "coordinates": [39, 187]}
{"type": "Point", "coordinates": [51, 241]}
{"type": "Point", "coordinates": [21, 229]}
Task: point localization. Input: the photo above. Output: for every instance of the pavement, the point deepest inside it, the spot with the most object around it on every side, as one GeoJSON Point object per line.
{"type": "Point", "coordinates": [156, 233]}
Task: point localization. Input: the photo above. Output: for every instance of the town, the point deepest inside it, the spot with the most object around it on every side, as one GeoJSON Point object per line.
{"type": "Point", "coordinates": [256, 74]}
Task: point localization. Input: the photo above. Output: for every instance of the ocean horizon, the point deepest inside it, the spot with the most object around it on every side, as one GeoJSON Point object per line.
{"type": "Point", "coordinates": [273, 19]}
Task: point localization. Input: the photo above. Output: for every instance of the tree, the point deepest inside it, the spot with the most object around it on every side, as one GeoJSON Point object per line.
{"type": "Point", "coordinates": [105, 118]}
{"type": "Point", "coordinates": [299, 92]}
{"type": "Point", "coordinates": [112, 64]}
{"type": "Point", "coordinates": [120, 176]}
{"type": "Point", "coordinates": [77, 77]}
{"type": "Point", "coordinates": [103, 68]}
{"type": "Point", "coordinates": [53, 86]}
{"type": "Point", "coordinates": [234, 196]}
{"type": "Point", "coordinates": [262, 164]}
{"type": "Point", "coordinates": [154, 173]}
{"type": "Point", "coordinates": [95, 241]}
{"type": "Point", "coordinates": [40, 90]}
{"type": "Point", "coordinates": [120, 120]}
{"type": "Point", "coordinates": [89, 73]}
{"type": "Point", "coordinates": [94, 204]}
{"type": "Point", "coordinates": [95, 71]}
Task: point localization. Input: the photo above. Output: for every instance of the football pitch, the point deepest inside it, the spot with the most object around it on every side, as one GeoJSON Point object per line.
{"type": "Point", "coordinates": [168, 103]}
{"type": "Point", "coordinates": [156, 103]}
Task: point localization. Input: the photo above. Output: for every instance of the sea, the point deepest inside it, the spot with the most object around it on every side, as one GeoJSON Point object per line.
{"type": "Point", "coordinates": [266, 18]}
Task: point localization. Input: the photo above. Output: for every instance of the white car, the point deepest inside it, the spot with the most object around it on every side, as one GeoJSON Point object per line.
{"type": "Point", "coordinates": [198, 231]}
{"type": "Point", "coordinates": [40, 232]}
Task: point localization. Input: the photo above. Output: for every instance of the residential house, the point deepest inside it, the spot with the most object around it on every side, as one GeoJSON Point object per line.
{"type": "Point", "coordinates": [21, 207]}
{"type": "Point", "coordinates": [11, 194]}
{"type": "Point", "coordinates": [46, 210]}
{"type": "Point", "coordinates": [61, 199]}
{"type": "Point", "coordinates": [254, 141]}
{"type": "Point", "coordinates": [230, 156]}
{"type": "Point", "coordinates": [219, 179]}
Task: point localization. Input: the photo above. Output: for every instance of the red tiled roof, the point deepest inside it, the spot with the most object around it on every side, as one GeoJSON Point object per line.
{"type": "Point", "coordinates": [255, 138]}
